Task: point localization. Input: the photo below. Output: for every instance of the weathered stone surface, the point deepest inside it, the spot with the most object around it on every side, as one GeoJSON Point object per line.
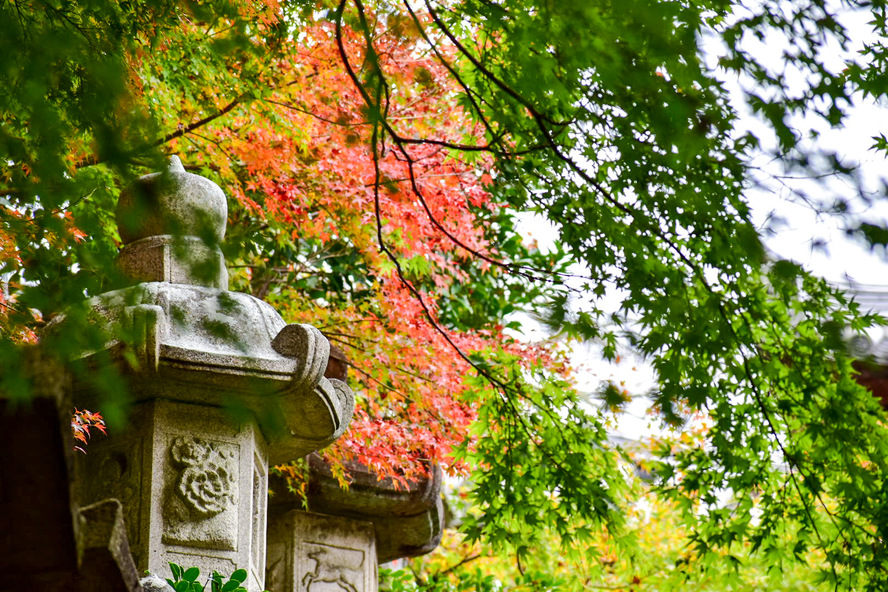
{"type": "Point", "coordinates": [193, 334]}
{"type": "Point", "coordinates": [193, 485]}
{"type": "Point", "coordinates": [220, 386]}
{"type": "Point", "coordinates": [154, 583]}
{"type": "Point", "coordinates": [202, 490]}
{"type": "Point", "coordinates": [103, 553]}
{"type": "Point", "coordinates": [172, 202]}
{"type": "Point", "coordinates": [367, 493]}
{"type": "Point", "coordinates": [409, 536]}
{"type": "Point", "coordinates": [408, 521]}
{"type": "Point", "coordinates": [315, 553]}
{"type": "Point", "coordinates": [172, 223]}
{"type": "Point", "coordinates": [305, 342]}
{"type": "Point", "coordinates": [174, 259]}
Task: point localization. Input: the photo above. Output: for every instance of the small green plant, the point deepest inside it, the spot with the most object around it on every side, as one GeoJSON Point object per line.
{"type": "Point", "coordinates": [185, 580]}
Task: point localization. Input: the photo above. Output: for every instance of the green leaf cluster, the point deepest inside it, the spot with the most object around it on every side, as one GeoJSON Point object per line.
{"type": "Point", "coordinates": [186, 580]}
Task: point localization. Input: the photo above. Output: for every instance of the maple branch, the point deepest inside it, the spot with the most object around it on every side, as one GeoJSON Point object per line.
{"type": "Point", "coordinates": [487, 73]}
{"type": "Point", "coordinates": [520, 270]}
{"type": "Point", "coordinates": [415, 375]}
{"type": "Point", "coordinates": [18, 11]}
{"type": "Point", "coordinates": [405, 397]}
{"type": "Point", "coordinates": [501, 387]}
{"type": "Point", "coordinates": [359, 339]}
{"type": "Point", "coordinates": [218, 145]}
{"type": "Point", "coordinates": [792, 460]}
{"type": "Point", "coordinates": [352, 336]}
{"type": "Point", "coordinates": [437, 224]}
{"type": "Point", "coordinates": [442, 143]}
{"type": "Point", "coordinates": [377, 123]}
{"type": "Point", "coordinates": [94, 159]}
{"type": "Point", "coordinates": [523, 271]}
{"type": "Point", "coordinates": [425, 176]}
{"type": "Point", "coordinates": [12, 191]}
{"type": "Point", "coordinates": [199, 123]}
{"type": "Point", "coordinates": [315, 115]}
{"type": "Point", "coordinates": [627, 209]}
{"type": "Point", "coordinates": [497, 138]}
{"type": "Point", "coordinates": [377, 381]}
{"type": "Point", "coordinates": [451, 145]}
{"type": "Point", "coordinates": [384, 119]}
{"type": "Point", "coordinates": [462, 562]}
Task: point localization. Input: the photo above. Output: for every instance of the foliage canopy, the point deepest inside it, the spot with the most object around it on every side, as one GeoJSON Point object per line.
{"type": "Point", "coordinates": [377, 155]}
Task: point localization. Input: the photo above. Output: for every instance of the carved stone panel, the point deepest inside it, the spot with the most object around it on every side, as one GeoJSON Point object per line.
{"type": "Point", "coordinates": [317, 553]}
{"type": "Point", "coordinates": [259, 514]}
{"type": "Point", "coordinates": [201, 493]}
{"type": "Point", "coordinates": [334, 567]}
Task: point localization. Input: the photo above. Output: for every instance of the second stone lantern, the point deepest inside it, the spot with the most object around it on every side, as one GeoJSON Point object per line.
{"type": "Point", "coordinates": [193, 480]}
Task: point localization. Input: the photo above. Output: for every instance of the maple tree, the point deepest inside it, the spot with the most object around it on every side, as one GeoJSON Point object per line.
{"type": "Point", "coordinates": [376, 155]}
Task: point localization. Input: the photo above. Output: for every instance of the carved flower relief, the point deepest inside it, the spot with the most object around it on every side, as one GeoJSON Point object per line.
{"type": "Point", "coordinates": [207, 479]}
{"type": "Point", "coordinates": [188, 450]}
{"type": "Point", "coordinates": [207, 488]}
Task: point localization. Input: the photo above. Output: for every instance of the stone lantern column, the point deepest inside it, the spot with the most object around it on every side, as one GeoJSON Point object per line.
{"type": "Point", "coordinates": [192, 475]}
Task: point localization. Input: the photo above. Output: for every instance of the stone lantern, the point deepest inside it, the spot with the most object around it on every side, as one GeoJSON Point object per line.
{"type": "Point", "coordinates": [337, 545]}
{"type": "Point", "coordinates": [192, 475]}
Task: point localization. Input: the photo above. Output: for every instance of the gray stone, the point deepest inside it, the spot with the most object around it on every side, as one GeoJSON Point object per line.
{"type": "Point", "coordinates": [409, 520]}
{"type": "Point", "coordinates": [202, 493]}
{"type": "Point", "coordinates": [193, 486]}
{"type": "Point", "coordinates": [172, 202]}
{"type": "Point", "coordinates": [367, 494]}
{"type": "Point", "coordinates": [187, 334]}
{"type": "Point", "coordinates": [409, 536]}
{"type": "Point", "coordinates": [104, 559]}
{"type": "Point", "coordinates": [304, 342]}
{"type": "Point", "coordinates": [220, 386]}
{"type": "Point", "coordinates": [172, 223]}
{"type": "Point", "coordinates": [174, 259]}
{"type": "Point", "coordinates": [316, 553]}
{"type": "Point", "coordinates": [153, 583]}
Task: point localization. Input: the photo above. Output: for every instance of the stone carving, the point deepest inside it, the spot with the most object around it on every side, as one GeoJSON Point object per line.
{"type": "Point", "coordinates": [207, 488]}
{"type": "Point", "coordinates": [310, 552]}
{"type": "Point", "coordinates": [207, 480]}
{"type": "Point", "coordinates": [202, 494]}
{"type": "Point", "coordinates": [335, 565]}
{"type": "Point", "coordinates": [198, 481]}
